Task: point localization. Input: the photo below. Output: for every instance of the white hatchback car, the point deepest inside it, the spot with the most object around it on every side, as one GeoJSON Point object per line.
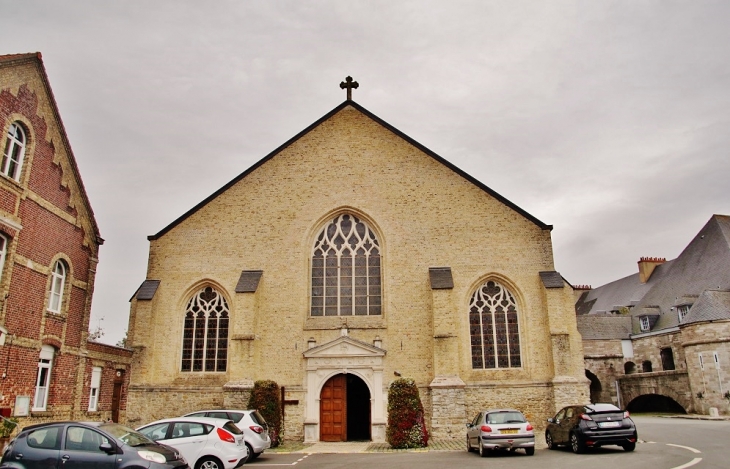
{"type": "Point", "coordinates": [206, 443]}
{"type": "Point", "coordinates": [251, 422]}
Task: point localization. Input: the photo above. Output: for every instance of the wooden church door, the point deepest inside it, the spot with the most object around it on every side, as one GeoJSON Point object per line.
{"type": "Point", "coordinates": [333, 410]}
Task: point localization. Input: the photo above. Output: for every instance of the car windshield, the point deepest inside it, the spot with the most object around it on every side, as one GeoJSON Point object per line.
{"type": "Point", "coordinates": [258, 418]}
{"type": "Point", "coordinates": [232, 428]}
{"type": "Point", "coordinates": [126, 435]}
{"type": "Point", "coordinates": [505, 417]}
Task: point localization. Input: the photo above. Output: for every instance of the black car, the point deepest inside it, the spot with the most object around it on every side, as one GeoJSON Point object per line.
{"type": "Point", "coordinates": [590, 426]}
{"type": "Point", "coordinates": [97, 445]}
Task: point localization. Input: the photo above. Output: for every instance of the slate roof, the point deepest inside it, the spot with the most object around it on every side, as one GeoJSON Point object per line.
{"type": "Point", "coordinates": [699, 276]}
{"type": "Point", "coordinates": [381, 122]}
{"type": "Point", "coordinates": [248, 282]}
{"type": "Point", "coordinates": [710, 306]}
{"type": "Point", "coordinates": [440, 278]}
{"type": "Point", "coordinates": [599, 327]}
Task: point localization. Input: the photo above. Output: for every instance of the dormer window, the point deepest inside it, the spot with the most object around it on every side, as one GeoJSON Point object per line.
{"type": "Point", "coordinates": [682, 312]}
{"type": "Point", "coordinates": [644, 323]}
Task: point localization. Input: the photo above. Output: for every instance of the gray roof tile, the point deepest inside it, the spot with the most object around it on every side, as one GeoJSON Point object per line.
{"type": "Point", "coordinates": [248, 282]}
{"type": "Point", "coordinates": [147, 290]}
{"type": "Point", "coordinates": [552, 279]}
{"type": "Point", "coordinates": [441, 278]}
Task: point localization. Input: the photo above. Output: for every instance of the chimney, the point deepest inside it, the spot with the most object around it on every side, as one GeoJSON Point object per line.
{"type": "Point", "coordinates": [647, 266]}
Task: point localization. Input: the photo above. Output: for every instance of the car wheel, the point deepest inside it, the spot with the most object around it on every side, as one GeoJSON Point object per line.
{"type": "Point", "coordinates": [549, 440]}
{"type": "Point", "coordinates": [251, 454]}
{"type": "Point", "coordinates": [529, 451]}
{"type": "Point", "coordinates": [482, 452]}
{"type": "Point", "coordinates": [576, 445]}
{"type": "Point", "coordinates": [208, 463]}
{"type": "Point", "coordinates": [468, 446]}
{"type": "Point", "coordinates": [629, 446]}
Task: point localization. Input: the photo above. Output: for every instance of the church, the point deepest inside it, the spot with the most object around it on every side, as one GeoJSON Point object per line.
{"type": "Point", "coordinates": [347, 257]}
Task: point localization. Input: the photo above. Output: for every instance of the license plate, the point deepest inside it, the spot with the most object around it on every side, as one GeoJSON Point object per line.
{"type": "Point", "coordinates": [609, 424]}
{"type": "Point", "coordinates": [509, 430]}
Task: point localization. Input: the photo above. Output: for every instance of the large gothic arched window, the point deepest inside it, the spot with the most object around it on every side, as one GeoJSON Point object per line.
{"type": "Point", "coordinates": [205, 337]}
{"type": "Point", "coordinates": [495, 334]}
{"type": "Point", "coordinates": [346, 276]}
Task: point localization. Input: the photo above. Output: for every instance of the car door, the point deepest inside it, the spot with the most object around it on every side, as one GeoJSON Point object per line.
{"type": "Point", "coordinates": [567, 423]}
{"type": "Point", "coordinates": [39, 450]}
{"type": "Point", "coordinates": [474, 429]}
{"type": "Point", "coordinates": [81, 450]}
{"type": "Point", "coordinates": [189, 438]}
{"type": "Point", "coordinates": [557, 430]}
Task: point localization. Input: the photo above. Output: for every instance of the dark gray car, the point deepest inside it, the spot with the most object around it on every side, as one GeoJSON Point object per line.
{"type": "Point", "coordinates": [593, 425]}
{"type": "Point", "coordinates": [87, 445]}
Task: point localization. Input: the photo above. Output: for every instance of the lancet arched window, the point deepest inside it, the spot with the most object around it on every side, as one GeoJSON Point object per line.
{"type": "Point", "coordinates": [14, 152]}
{"type": "Point", "coordinates": [346, 276]}
{"type": "Point", "coordinates": [205, 337]}
{"type": "Point", "coordinates": [493, 327]}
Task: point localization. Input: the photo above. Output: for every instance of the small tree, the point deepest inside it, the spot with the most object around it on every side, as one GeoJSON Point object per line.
{"type": "Point", "coordinates": [406, 423]}
{"type": "Point", "coordinates": [265, 398]}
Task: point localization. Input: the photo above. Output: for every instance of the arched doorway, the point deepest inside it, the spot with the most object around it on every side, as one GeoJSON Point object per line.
{"type": "Point", "coordinates": [596, 387]}
{"type": "Point", "coordinates": [655, 403]}
{"type": "Point", "coordinates": [344, 409]}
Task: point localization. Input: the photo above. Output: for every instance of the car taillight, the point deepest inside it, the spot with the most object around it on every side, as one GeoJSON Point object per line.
{"type": "Point", "coordinates": [257, 429]}
{"type": "Point", "coordinates": [626, 414]}
{"type": "Point", "coordinates": [225, 436]}
{"type": "Point", "coordinates": [486, 429]}
{"type": "Point", "coordinates": [585, 417]}
{"type": "Point", "coordinates": [529, 427]}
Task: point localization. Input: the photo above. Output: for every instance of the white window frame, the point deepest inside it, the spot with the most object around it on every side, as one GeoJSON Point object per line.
{"type": "Point", "coordinates": [3, 253]}
{"type": "Point", "coordinates": [14, 151]}
{"type": "Point", "coordinates": [644, 323]}
{"type": "Point", "coordinates": [43, 379]}
{"type": "Point", "coordinates": [682, 312]}
{"type": "Point", "coordinates": [58, 283]}
{"type": "Point", "coordinates": [94, 389]}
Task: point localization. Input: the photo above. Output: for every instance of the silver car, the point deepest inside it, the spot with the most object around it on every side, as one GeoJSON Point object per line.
{"type": "Point", "coordinates": [500, 429]}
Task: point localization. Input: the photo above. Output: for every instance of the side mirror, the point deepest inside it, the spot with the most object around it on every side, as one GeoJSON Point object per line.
{"type": "Point", "coordinates": [107, 448]}
{"type": "Point", "coordinates": [550, 420]}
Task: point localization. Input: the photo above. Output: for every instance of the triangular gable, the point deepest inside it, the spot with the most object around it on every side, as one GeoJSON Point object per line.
{"type": "Point", "coordinates": [381, 122]}
{"type": "Point", "coordinates": [344, 346]}
{"type": "Point", "coordinates": [37, 60]}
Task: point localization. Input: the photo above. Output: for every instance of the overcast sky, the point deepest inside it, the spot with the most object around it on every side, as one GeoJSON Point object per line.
{"type": "Point", "coordinates": [609, 120]}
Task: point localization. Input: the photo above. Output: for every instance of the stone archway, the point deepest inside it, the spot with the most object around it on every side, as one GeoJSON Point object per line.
{"type": "Point", "coordinates": [596, 387]}
{"type": "Point", "coordinates": [344, 409]}
{"type": "Point", "coordinates": [345, 373]}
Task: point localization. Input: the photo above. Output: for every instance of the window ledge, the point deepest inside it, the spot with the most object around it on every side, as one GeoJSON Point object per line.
{"type": "Point", "coordinates": [57, 316]}
{"type": "Point", "coordinates": [352, 322]}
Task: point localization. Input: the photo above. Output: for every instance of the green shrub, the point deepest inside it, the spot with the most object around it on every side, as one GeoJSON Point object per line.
{"type": "Point", "coordinates": [7, 426]}
{"type": "Point", "coordinates": [406, 424]}
{"type": "Point", "coordinates": [265, 398]}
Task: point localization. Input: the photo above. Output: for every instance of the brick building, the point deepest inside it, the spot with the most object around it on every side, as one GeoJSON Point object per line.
{"type": "Point", "coordinates": [49, 244]}
{"type": "Point", "coordinates": [347, 257]}
{"type": "Point", "coordinates": [660, 339]}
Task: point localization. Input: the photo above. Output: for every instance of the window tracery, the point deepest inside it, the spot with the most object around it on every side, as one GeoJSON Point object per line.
{"type": "Point", "coordinates": [346, 275]}
{"type": "Point", "coordinates": [494, 328]}
{"type": "Point", "coordinates": [205, 335]}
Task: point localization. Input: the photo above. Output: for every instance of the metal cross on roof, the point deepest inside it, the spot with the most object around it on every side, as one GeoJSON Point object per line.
{"type": "Point", "coordinates": [349, 85]}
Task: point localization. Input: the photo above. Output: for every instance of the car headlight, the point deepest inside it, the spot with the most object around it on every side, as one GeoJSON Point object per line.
{"type": "Point", "coordinates": [152, 456]}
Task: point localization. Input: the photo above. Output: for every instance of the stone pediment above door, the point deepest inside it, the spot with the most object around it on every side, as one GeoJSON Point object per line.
{"type": "Point", "coordinates": [345, 347]}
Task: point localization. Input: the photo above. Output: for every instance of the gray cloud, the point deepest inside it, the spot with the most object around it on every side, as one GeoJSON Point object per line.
{"type": "Point", "coordinates": [606, 119]}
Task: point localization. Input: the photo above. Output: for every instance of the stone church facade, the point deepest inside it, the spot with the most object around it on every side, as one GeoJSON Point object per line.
{"type": "Point", "coordinates": [347, 257]}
